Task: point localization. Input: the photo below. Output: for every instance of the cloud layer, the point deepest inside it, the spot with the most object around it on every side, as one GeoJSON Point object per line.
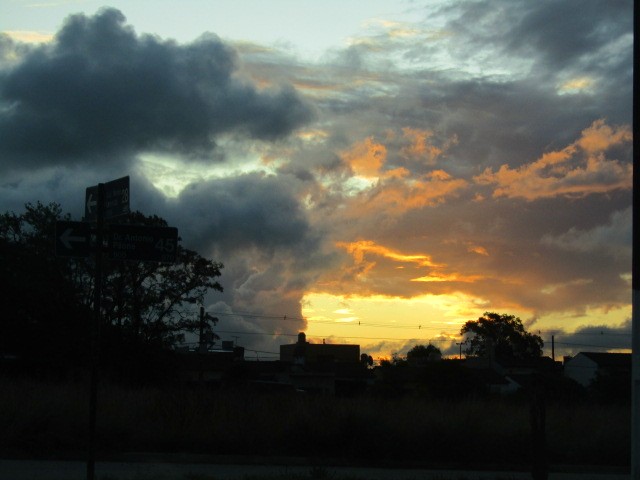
{"type": "Point", "coordinates": [481, 153]}
{"type": "Point", "coordinates": [100, 91]}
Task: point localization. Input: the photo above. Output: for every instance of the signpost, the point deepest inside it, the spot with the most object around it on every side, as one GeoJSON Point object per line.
{"type": "Point", "coordinates": [141, 243]}
{"type": "Point", "coordinates": [107, 201]}
{"type": "Point", "coordinates": [73, 239]}
{"type": "Point", "coordinates": [115, 202]}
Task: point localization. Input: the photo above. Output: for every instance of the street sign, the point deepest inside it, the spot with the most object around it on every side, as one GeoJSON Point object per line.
{"type": "Point", "coordinates": [142, 243]}
{"type": "Point", "coordinates": [73, 239]}
{"type": "Point", "coordinates": [116, 201]}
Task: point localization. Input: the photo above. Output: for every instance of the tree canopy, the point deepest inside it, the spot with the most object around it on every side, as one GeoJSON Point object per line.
{"type": "Point", "coordinates": [423, 353]}
{"type": "Point", "coordinates": [51, 298]}
{"type": "Point", "coordinates": [505, 334]}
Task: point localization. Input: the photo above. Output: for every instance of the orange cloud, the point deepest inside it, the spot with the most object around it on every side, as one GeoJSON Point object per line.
{"type": "Point", "coordinates": [478, 249]}
{"type": "Point", "coordinates": [360, 248]}
{"type": "Point", "coordinates": [366, 158]}
{"type": "Point", "coordinates": [448, 277]}
{"type": "Point", "coordinates": [599, 137]}
{"type": "Point", "coordinates": [577, 170]}
{"type": "Point", "coordinates": [421, 147]}
{"type": "Point", "coordinates": [397, 195]}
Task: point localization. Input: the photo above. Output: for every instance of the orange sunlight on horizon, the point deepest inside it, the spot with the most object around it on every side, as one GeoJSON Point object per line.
{"type": "Point", "coordinates": [382, 324]}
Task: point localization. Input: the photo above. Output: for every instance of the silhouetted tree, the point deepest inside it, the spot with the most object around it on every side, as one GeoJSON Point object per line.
{"type": "Point", "coordinates": [143, 302]}
{"type": "Point", "coordinates": [153, 301]}
{"type": "Point", "coordinates": [423, 353]}
{"type": "Point", "coordinates": [504, 333]}
{"type": "Point", "coordinates": [366, 360]}
{"type": "Point", "coordinates": [42, 322]}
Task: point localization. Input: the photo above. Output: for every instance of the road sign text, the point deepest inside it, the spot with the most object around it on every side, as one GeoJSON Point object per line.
{"type": "Point", "coordinates": [143, 243]}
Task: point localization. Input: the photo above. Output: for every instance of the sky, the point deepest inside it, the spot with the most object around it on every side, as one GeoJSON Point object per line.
{"type": "Point", "coordinates": [373, 172]}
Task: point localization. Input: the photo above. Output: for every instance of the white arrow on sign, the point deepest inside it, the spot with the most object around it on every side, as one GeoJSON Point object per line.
{"type": "Point", "coordinates": [66, 238]}
{"type": "Point", "coordinates": [91, 202]}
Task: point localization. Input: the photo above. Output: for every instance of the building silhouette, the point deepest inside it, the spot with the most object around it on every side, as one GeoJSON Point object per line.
{"type": "Point", "coordinates": [305, 353]}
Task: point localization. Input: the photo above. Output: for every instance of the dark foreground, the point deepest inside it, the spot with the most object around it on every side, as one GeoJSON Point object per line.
{"type": "Point", "coordinates": [163, 470]}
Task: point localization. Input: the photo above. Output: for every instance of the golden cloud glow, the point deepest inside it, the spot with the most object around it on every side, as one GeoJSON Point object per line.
{"type": "Point", "coordinates": [576, 85]}
{"type": "Point", "coordinates": [360, 248]}
{"type": "Point", "coordinates": [448, 277]}
{"type": "Point", "coordinates": [420, 146]}
{"type": "Point", "coordinates": [397, 190]}
{"type": "Point", "coordinates": [29, 37]}
{"type": "Point", "coordinates": [394, 195]}
{"type": "Point", "coordinates": [578, 170]}
{"type": "Point", "coordinates": [366, 158]}
{"type": "Point", "coordinates": [478, 249]}
{"type": "Point", "coordinates": [599, 137]}
{"type": "Point", "coordinates": [386, 323]}
{"type": "Point", "coordinates": [316, 135]}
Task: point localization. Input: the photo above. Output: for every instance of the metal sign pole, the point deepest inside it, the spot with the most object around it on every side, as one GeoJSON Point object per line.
{"type": "Point", "coordinates": [95, 335]}
{"type": "Point", "coordinates": [635, 265]}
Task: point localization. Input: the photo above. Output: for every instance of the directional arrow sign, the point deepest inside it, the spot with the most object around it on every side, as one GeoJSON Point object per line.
{"type": "Point", "coordinates": [116, 201]}
{"type": "Point", "coordinates": [91, 204]}
{"type": "Point", "coordinates": [73, 239]}
{"type": "Point", "coordinates": [141, 243]}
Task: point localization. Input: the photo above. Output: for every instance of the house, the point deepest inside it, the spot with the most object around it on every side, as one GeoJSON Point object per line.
{"type": "Point", "coordinates": [506, 376]}
{"type": "Point", "coordinates": [209, 367]}
{"type": "Point", "coordinates": [304, 352]}
{"type": "Point", "coordinates": [332, 369]}
{"type": "Point", "coordinates": [585, 366]}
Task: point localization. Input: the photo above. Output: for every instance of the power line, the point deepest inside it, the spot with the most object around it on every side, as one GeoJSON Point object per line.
{"type": "Point", "coordinates": [588, 345]}
{"type": "Point", "coordinates": [261, 351]}
{"type": "Point", "coordinates": [412, 327]}
{"type": "Point", "coordinates": [359, 323]}
{"type": "Point", "coordinates": [595, 334]}
{"type": "Point", "coordinates": [270, 334]}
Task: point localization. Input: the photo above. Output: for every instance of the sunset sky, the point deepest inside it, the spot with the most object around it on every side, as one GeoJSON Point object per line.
{"type": "Point", "coordinates": [371, 172]}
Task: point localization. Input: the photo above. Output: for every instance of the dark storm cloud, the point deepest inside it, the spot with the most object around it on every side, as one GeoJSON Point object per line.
{"type": "Point", "coordinates": [594, 338]}
{"type": "Point", "coordinates": [564, 33]}
{"type": "Point", "coordinates": [246, 211]}
{"type": "Point", "coordinates": [559, 35]}
{"type": "Point", "coordinates": [255, 225]}
{"type": "Point", "coordinates": [99, 89]}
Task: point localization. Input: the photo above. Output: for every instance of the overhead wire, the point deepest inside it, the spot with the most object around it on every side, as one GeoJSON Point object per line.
{"type": "Point", "coordinates": [270, 334]}
{"type": "Point", "coordinates": [325, 322]}
{"type": "Point", "coordinates": [390, 325]}
{"type": "Point", "coordinates": [437, 339]}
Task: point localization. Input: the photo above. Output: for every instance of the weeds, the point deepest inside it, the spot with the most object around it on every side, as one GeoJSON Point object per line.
{"type": "Point", "coordinates": [44, 419]}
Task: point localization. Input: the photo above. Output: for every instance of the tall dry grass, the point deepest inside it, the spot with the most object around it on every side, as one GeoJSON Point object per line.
{"type": "Point", "coordinates": [40, 419]}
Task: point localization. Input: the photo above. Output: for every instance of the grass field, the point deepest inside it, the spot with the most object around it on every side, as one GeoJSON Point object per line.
{"type": "Point", "coordinates": [314, 475]}
{"type": "Point", "coordinates": [42, 419]}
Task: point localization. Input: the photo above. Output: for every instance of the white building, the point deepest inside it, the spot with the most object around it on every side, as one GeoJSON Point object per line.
{"type": "Point", "coordinates": [584, 367]}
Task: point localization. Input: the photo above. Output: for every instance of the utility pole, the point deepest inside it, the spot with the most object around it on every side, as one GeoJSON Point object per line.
{"type": "Point", "coordinates": [553, 348]}
{"type": "Point", "coordinates": [460, 344]}
{"type": "Point", "coordinates": [204, 318]}
{"type": "Point", "coordinates": [635, 265]}
{"type": "Point", "coordinates": [200, 337]}
{"type": "Point", "coordinates": [95, 335]}
{"type": "Point", "coordinates": [107, 201]}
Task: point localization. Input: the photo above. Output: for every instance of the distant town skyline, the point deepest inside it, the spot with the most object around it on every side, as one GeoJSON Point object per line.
{"type": "Point", "coordinates": [374, 173]}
